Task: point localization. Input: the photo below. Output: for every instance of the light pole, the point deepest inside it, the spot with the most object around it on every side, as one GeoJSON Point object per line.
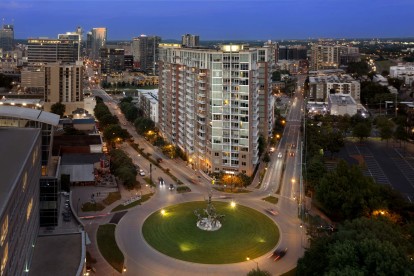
{"type": "Point", "coordinates": [257, 264]}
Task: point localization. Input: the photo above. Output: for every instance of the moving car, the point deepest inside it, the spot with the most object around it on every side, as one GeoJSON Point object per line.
{"type": "Point", "coordinates": [278, 254]}
{"type": "Point", "coordinates": [141, 173]}
{"type": "Point", "coordinates": [292, 153]}
{"type": "Point", "coordinates": [171, 187]}
{"type": "Point", "coordinates": [279, 155]}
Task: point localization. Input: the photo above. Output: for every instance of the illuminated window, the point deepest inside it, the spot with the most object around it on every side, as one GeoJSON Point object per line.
{"type": "Point", "coordinates": [24, 181]}
{"type": "Point", "coordinates": [5, 257]}
{"type": "Point", "coordinates": [29, 209]}
{"type": "Point", "coordinates": [4, 229]}
{"type": "Point", "coordinates": [34, 156]}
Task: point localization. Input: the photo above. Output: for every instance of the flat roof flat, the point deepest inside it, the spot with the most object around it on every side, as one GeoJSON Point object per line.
{"type": "Point", "coordinates": [16, 143]}
{"type": "Point", "coordinates": [57, 255]}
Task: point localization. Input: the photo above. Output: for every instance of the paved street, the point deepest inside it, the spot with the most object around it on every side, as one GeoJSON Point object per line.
{"type": "Point", "coordinates": [141, 259]}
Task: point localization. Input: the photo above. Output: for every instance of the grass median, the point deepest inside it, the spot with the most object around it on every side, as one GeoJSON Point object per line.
{"type": "Point", "coordinates": [108, 247]}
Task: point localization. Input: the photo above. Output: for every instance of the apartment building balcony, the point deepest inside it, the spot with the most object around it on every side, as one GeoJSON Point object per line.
{"type": "Point", "coordinates": [255, 160]}
{"type": "Point", "coordinates": [202, 74]}
{"type": "Point", "coordinates": [201, 101]}
{"type": "Point", "coordinates": [201, 150]}
{"type": "Point", "coordinates": [189, 141]}
{"type": "Point", "coordinates": [202, 88]}
{"type": "Point", "coordinates": [190, 125]}
{"type": "Point", "coordinates": [202, 115]}
{"type": "Point", "coordinates": [202, 130]}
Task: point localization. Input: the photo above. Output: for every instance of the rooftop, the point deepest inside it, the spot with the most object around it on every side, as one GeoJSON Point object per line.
{"type": "Point", "coordinates": [341, 99]}
{"type": "Point", "coordinates": [57, 255]}
{"type": "Point", "coordinates": [332, 79]}
{"type": "Point", "coordinates": [15, 145]}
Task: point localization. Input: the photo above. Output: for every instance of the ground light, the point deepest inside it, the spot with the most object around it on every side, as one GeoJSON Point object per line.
{"type": "Point", "coordinates": [163, 212]}
{"type": "Point", "coordinates": [233, 204]}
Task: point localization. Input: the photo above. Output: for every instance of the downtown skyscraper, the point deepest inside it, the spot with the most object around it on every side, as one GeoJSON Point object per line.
{"type": "Point", "coordinates": [7, 37]}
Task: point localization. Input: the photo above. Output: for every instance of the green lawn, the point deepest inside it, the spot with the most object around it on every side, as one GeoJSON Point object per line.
{"type": "Point", "coordinates": [108, 247]}
{"type": "Point", "coordinates": [271, 199]}
{"type": "Point", "coordinates": [245, 233]}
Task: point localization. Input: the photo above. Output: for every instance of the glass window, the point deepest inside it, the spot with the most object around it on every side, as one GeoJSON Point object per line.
{"type": "Point", "coordinates": [4, 229]}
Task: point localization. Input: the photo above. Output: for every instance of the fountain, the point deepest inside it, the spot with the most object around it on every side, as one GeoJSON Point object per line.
{"type": "Point", "coordinates": [212, 221]}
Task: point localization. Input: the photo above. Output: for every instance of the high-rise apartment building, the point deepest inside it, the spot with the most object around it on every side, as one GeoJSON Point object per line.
{"type": "Point", "coordinates": [42, 50]}
{"type": "Point", "coordinates": [7, 37]}
{"type": "Point", "coordinates": [294, 52]}
{"type": "Point", "coordinates": [145, 53]}
{"type": "Point", "coordinates": [97, 41]}
{"type": "Point", "coordinates": [266, 67]}
{"type": "Point", "coordinates": [189, 40]}
{"type": "Point", "coordinates": [329, 57]}
{"type": "Point", "coordinates": [209, 105]}
{"type": "Point", "coordinates": [63, 82]}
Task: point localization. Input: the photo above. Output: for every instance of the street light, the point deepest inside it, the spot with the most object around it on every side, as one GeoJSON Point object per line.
{"type": "Point", "coordinates": [257, 264]}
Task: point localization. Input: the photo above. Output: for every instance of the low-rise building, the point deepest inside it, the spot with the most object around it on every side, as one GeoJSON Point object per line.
{"type": "Point", "coordinates": [322, 85]}
{"type": "Point", "coordinates": [404, 72]}
{"type": "Point", "coordinates": [147, 101]}
{"type": "Point", "coordinates": [341, 104]}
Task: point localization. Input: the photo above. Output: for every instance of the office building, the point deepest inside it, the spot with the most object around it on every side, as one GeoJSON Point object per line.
{"type": "Point", "coordinates": [209, 105]}
{"type": "Point", "coordinates": [112, 60]}
{"type": "Point", "coordinates": [7, 37]}
{"type": "Point", "coordinates": [189, 40]}
{"type": "Point", "coordinates": [43, 50]}
{"type": "Point", "coordinates": [74, 36]}
{"type": "Point", "coordinates": [145, 53]}
{"type": "Point", "coordinates": [33, 80]}
{"type": "Point", "coordinates": [323, 85]}
{"type": "Point", "coordinates": [97, 41]}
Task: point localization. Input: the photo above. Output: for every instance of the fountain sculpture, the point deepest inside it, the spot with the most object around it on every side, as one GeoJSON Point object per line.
{"type": "Point", "coordinates": [212, 221]}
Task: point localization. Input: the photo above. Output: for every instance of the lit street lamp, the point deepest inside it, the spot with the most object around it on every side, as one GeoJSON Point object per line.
{"type": "Point", "coordinates": [257, 264]}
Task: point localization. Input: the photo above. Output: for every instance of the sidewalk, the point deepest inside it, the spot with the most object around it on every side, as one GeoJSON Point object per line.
{"type": "Point", "coordinates": [82, 194]}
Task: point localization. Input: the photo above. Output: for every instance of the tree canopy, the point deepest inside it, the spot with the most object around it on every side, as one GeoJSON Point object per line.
{"type": "Point", "coordinates": [364, 246]}
{"type": "Point", "coordinates": [58, 108]}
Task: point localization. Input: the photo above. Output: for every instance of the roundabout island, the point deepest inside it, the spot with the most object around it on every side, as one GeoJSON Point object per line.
{"type": "Point", "coordinates": [173, 231]}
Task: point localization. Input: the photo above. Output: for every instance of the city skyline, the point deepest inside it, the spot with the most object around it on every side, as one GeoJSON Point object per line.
{"type": "Point", "coordinates": [213, 20]}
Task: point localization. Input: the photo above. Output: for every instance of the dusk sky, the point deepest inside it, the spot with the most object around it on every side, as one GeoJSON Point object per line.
{"type": "Point", "coordinates": [214, 19]}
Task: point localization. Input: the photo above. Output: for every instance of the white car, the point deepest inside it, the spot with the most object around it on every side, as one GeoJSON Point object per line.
{"type": "Point", "coordinates": [141, 173]}
{"type": "Point", "coordinates": [279, 155]}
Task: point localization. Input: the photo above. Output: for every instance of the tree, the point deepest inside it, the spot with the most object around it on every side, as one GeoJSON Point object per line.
{"type": "Point", "coordinates": [361, 247]}
{"type": "Point", "coordinates": [362, 130]}
{"type": "Point", "coordinates": [108, 119]}
{"type": "Point", "coordinates": [258, 272]}
{"type": "Point", "coordinates": [143, 125]}
{"type": "Point", "coordinates": [400, 134]}
{"type": "Point", "coordinates": [58, 108]}
{"type": "Point", "coordinates": [385, 127]}
{"type": "Point", "coordinates": [358, 68]}
{"type": "Point", "coordinates": [315, 170]}
{"type": "Point", "coordinates": [6, 81]}
{"type": "Point", "coordinates": [395, 82]}
{"type": "Point", "coordinates": [113, 132]}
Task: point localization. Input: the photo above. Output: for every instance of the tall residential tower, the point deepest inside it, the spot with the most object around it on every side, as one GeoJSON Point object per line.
{"type": "Point", "coordinates": [209, 104]}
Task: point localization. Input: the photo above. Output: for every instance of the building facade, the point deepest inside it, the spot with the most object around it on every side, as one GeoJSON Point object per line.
{"type": "Point", "coordinates": [332, 56]}
{"type": "Point", "coordinates": [209, 105]}
{"type": "Point", "coordinates": [7, 37]}
{"type": "Point", "coordinates": [321, 86]}
{"type": "Point", "coordinates": [145, 53]}
{"type": "Point", "coordinates": [97, 41]}
{"type": "Point", "coordinates": [189, 40]}
{"type": "Point", "coordinates": [63, 82]}
{"type": "Point", "coordinates": [340, 104]}
{"type": "Point", "coordinates": [294, 52]}
{"type": "Point", "coordinates": [112, 60]}
{"type": "Point", "coordinates": [19, 216]}
{"type": "Point", "coordinates": [404, 72]}
{"type": "Point", "coordinates": [147, 101]}
{"type": "Point", "coordinates": [40, 50]}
